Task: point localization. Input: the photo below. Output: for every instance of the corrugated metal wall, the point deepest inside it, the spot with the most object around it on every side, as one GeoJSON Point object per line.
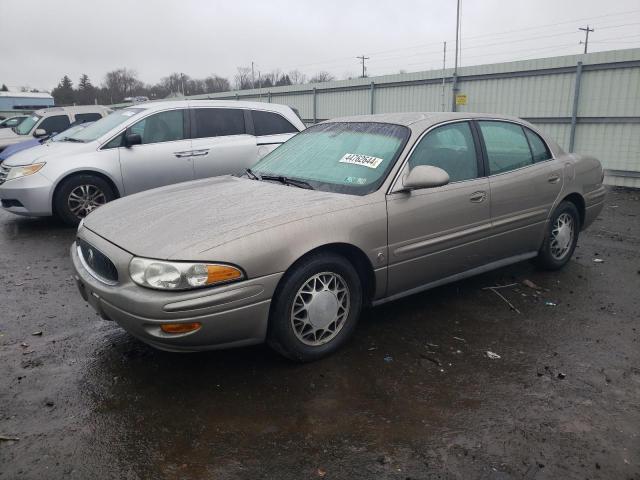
{"type": "Point", "coordinates": [606, 124]}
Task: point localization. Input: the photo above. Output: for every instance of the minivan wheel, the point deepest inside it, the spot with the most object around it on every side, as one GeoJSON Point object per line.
{"type": "Point", "coordinates": [315, 308]}
{"type": "Point", "coordinates": [79, 195]}
{"type": "Point", "coordinates": [561, 237]}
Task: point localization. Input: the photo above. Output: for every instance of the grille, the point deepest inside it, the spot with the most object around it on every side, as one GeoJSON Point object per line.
{"type": "Point", "coordinates": [97, 263]}
{"type": "Point", "coordinates": [4, 171]}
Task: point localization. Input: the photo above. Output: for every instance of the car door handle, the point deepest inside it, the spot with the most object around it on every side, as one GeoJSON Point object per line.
{"type": "Point", "coordinates": [478, 197]}
{"type": "Point", "coordinates": [555, 178]}
{"type": "Point", "coordinates": [183, 154]}
{"type": "Point", "coordinates": [200, 153]}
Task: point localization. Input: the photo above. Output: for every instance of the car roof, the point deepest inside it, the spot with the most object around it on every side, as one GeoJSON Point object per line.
{"type": "Point", "coordinates": [45, 112]}
{"type": "Point", "coordinates": [422, 119]}
{"type": "Point", "coordinates": [161, 105]}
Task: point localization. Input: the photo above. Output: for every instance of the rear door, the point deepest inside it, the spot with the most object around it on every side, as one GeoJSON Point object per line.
{"type": "Point", "coordinates": [220, 142]}
{"type": "Point", "coordinates": [163, 158]}
{"type": "Point", "coordinates": [439, 232]}
{"type": "Point", "coordinates": [525, 181]}
{"type": "Point", "coordinates": [270, 129]}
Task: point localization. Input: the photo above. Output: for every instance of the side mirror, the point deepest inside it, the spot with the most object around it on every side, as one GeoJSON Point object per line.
{"type": "Point", "coordinates": [131, 139]}
{"type": "Point", "coordinates": [40, 132]}
{"type": "Point", "coordinates": [425, 176]}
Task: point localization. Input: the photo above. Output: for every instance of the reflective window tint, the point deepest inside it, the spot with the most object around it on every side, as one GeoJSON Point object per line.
{"type": "Point", "coordinates": [507, 147]}
{"type": "Point", "coordinates": [87, 117]}
{"type": "Point", "coordinates": [161, 127]}
{"type": "Point", "coordinates": [55, 124]}
{"type": "Point", "coordinates": [218, 122]}
{"type": "Point", "coordinates": [450, 148]}
{"type": "Point", "coordinates": [538, 147]}
{"type": "Point", "coordinates": [268, 123]}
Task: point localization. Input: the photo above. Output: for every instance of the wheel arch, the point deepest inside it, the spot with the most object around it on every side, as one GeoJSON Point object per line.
{"type": "Point", "coordinates": [355, 256]}
{"type": "Point", "coordinates": [96, 173]}
{"type": "Point", "coordinates": [578, 201]}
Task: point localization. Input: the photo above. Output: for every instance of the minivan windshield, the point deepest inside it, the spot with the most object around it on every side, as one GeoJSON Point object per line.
{"type": "Point", "coordinates": [342, 157]}
{"type": "Point", "coordinates": [26, 125]}
{"type": "Point", "coordinates": [104, 125]}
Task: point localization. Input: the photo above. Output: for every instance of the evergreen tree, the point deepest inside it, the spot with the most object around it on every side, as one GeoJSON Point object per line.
{"type": "Point", "coordinates": [63, 94]}
{"type": "Point", "coordinates": [86, 93]}
{"type": "Point", "coordinates": [4, 88]}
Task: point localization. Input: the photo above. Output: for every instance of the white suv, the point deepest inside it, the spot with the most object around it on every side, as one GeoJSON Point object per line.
{"type": "Point", "coordinates": [48, 121]}
{"type": "Point", "coordinates": [141, 147]}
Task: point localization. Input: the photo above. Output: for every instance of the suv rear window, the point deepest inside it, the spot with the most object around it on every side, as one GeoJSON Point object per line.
{"type": "Point", "coordinates": [55, 124]}
{"type": "Point", "coordinates": [268, 123]}
{"type": "Point", "coordinates": [87, 117]}
{"type": "Point", "coordinates": [218, 122]}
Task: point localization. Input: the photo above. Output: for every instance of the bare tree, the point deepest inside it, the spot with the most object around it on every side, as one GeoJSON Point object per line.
{"type": "Point", "coordinates": [214, 83]}
{"type": "Point", "coordinates": [297, 77]}
{"type": "Point", "coordinates": [242, 80]}
{"type": "Point", "coordinates": [322, 77]}
{"type": "Point", "coordinates": [122, 83]}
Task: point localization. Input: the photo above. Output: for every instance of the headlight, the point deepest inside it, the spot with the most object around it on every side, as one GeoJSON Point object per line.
{"type": "Point", "coordinates": [181, 275]}
{"type": "Point", "coordinates": [17, 172]}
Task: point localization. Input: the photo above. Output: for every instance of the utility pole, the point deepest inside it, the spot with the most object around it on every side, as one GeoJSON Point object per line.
{"type": "Point", "coordinates": [586, 38]}
{"type": "Point", "coordinates": [454, 88]}
{"type": "Point", "coordinates": [444, 66]}
{"type": "Point", "coordinates": [363, 58]}
{"type": "Point", "coordinates": [253, 77]}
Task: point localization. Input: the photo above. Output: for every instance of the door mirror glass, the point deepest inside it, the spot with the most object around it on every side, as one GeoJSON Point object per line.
{"type": "Point", "coordinates": [425, 176]}
{"type": "Point", "coordinates": [40, 132]}
{"type": "Point", "coordinates": [132, 139]}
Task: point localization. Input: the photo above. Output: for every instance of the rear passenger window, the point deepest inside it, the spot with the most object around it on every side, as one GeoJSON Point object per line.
{"type": "Point", "coordinates": [218, 122]}
{"type": "Point", "coordinates": [55, 124]}
{"type": "Point", "coordinates": [161, 127]}
{"type": "Point", "coordinates": [450, 148]}
{"type": "Point", "coordinates": [538, 147]}
{"type": "Point", "coordinates": [267, 123]}
{"type": "Point", "coordinates": [507, 147]}
{"type": "Point", "coordinates": [87, 117]}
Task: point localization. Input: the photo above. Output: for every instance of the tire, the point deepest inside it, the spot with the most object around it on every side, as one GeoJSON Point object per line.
{"type": "Point", "coordinates": [98, 192]}
{"type": "Point", "coordinates": [549, 256]}
{"type": "Point", "coordinates": [318, 280]}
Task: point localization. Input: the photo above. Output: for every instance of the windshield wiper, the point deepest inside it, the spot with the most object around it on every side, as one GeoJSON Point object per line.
{"type": "Point", "coordinates": [71, 139]}
{"type": "Point", "coordinates": [288, 181]}
{"type": "Point", "coordinates": [250, 174]}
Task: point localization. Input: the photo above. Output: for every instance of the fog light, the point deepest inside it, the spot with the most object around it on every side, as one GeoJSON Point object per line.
{"type": "Point", "coordinates": [180, 327]}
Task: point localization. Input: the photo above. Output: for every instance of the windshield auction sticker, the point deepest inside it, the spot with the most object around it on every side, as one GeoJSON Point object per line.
{"type": "Point", "coordinates": [363, 160]}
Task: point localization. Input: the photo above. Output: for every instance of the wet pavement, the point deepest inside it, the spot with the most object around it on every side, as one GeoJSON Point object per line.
{"type": "Point", "coordinates": [413, 396]}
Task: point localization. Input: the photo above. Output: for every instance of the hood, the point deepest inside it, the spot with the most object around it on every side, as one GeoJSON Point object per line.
{"type": "Point", "coordinates": [189, 218]}
{"type": "Point", "coordinates": [9, 133]}
{"type": "Point", "coordinates": [47, 151]}
{"type": "Point", "coordinates": [18, 147]}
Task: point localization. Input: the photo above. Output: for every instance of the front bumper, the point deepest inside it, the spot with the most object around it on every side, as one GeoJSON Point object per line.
{"type": "Point", "coordinates": [231, 315]}
{"type": "Point", "coordinates": [30, 195]}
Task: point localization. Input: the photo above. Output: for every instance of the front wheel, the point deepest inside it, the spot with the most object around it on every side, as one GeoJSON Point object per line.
{"type": "Point", "coordinates": [561, 237]}
{"type": "Point", "coordinates": [78, 196]}
{"type": "Point", "coordinates": [316, 308]}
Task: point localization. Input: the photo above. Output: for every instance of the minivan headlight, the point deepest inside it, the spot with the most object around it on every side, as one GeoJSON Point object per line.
{"type": "Point", "coordinates": [181, 275]}
{"type": "Point", "coordinates": [23, 171]}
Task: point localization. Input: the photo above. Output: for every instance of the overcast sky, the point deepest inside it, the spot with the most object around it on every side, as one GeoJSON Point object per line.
{"type": "Point", "coordinates": [42, 40]}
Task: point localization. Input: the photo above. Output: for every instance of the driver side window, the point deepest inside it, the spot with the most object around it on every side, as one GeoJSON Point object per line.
{"type": "Point", "coordinates": [161, 127]}
{"type": "Point", "coordinates": [450, 148]}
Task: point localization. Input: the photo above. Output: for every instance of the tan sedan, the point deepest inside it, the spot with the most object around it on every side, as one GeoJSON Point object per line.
{"type": "Point", "coordinates": [354, 211]}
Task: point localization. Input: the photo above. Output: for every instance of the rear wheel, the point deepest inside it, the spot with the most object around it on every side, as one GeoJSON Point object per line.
{"type": "Point", "coordinates": [316, 308]}
{"type": "Point", "coordinates": [79, 195]}
{"type": "Point", "coordinates": [561, 237]}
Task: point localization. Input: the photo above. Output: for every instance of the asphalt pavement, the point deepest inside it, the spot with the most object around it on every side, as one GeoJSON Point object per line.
{"type": "Point", "coordinates": [457, 382]}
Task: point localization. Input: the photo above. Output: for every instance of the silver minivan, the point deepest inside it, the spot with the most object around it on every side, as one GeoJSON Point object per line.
{"type": "Point", "coordinates": [142, 147]}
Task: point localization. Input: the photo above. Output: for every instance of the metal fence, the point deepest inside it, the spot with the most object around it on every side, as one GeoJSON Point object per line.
{"type": "Point", "coordinates": [587, 103]}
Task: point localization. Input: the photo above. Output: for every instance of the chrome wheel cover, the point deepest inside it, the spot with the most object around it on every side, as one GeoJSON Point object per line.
{"type": "Point", "coordinates": [562, 236]}
{"type": "Point", "coordinates": [84, 199]}
{"type": "Point", "coordinates": [320, 308]}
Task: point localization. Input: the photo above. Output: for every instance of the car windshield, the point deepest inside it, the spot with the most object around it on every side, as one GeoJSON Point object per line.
{"type": "Point", "coordinates": [104, 125]}
{"type": "Point", "coordinates": [26, 125]}
{"type": "Point", "coordinates": [342, 157]}
{"type": "Point", "coordinates": [70, 131]}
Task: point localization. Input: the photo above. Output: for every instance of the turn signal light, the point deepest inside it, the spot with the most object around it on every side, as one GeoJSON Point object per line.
{"type": "Point", "coordinates": [180, 327]}
{"type": "Point", "coordinates": [222, 273]}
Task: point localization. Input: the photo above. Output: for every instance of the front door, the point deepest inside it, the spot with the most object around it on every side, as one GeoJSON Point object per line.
{"type": "Point", "coordinates": [439, 232]}
{"type": "Point", "coordinates": [163, 158]}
